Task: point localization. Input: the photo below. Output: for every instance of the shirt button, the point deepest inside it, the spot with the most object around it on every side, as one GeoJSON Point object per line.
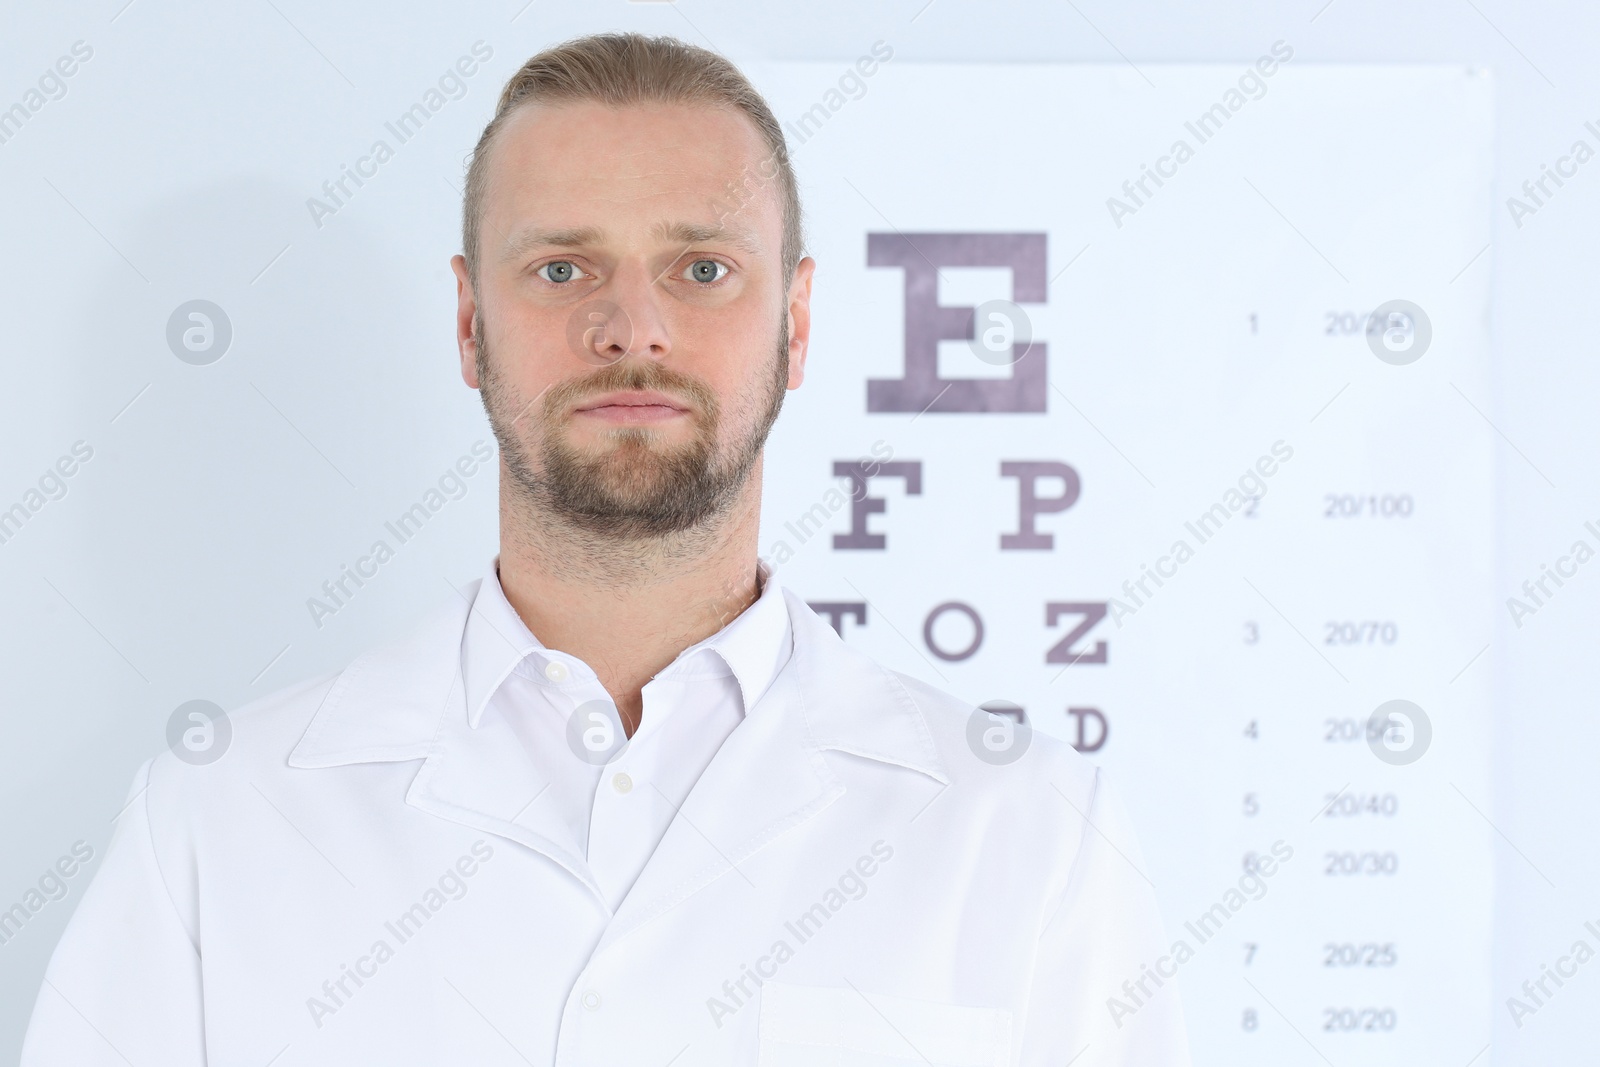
{"type": "Point", "coordinates": [556, 671]}
{"type": "Point", "coordinates": [622, 783]}
{"type": "Point", "coordinates": [591, 1000]}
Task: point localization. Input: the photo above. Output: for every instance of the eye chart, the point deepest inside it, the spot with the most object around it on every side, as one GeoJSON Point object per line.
{"type": "Point", "coordinates": [1153, 403]}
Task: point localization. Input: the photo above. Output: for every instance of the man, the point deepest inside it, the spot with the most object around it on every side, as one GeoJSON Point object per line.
{"type": "Point", "coordinates": [630, 802]}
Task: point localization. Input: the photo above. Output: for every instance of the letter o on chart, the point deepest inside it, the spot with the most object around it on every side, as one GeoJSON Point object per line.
{"type": "Point", "coordinates": [977, 631]}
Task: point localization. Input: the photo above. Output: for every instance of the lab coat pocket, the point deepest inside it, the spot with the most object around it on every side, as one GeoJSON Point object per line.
{"type": "Point", "coordinates": [806, 1026]}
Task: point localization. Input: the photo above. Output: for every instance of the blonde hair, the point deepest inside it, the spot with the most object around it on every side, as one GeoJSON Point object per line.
{"type": "Point", "coordinates": [618, 69]}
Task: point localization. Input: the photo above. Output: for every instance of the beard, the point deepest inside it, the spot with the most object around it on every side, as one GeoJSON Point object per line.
{"type": "Point", "coordinates": [635, 486]}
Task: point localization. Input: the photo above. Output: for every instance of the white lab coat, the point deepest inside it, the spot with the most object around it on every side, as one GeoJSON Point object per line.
{"type": "Point", "coordinates": [362, 879]}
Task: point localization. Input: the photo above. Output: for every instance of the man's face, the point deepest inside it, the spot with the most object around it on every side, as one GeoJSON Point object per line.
{"type": "Point", "coordinates": [631, 330]}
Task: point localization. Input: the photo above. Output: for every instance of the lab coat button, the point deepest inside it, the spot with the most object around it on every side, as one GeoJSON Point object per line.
{"type": "Point", "coordinates": [591, 1000]}
{"type": "Point", "coordinates": [622, 783]}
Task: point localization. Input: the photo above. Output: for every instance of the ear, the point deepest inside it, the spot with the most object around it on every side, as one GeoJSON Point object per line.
{"type": "Point", "coordinates": [799, 312]}
{"type": "Point", "coordinates": [466, 312]}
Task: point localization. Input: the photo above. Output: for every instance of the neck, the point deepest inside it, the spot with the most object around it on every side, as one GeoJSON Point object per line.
{"type": "Point", "coordinates": [627, 607]}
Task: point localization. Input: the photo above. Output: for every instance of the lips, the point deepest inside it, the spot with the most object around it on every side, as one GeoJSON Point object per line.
{"type": "Point", "coordinates": [632, 405]}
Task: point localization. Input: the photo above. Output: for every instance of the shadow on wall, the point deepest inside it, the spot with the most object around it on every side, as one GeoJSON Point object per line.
{"type": "Point", "coordinates": [232, 453]}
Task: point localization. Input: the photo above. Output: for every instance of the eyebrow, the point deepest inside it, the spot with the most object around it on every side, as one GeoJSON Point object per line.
{"type": "Point", "coordinates": [529, 238]}
{"type": "Point", "coordinates": [691, 233]}
{"type": "Point", "coordinates": [687, 234]}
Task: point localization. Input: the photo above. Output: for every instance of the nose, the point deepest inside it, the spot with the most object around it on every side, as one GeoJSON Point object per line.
{"type": "Point", "coordinates": [625, 320]}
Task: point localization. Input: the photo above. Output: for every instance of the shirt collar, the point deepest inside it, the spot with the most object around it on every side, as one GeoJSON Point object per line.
{"type": "Point", "coordinates": [496, 642]}
{"type": "Point", "coordinates": [405, 700]}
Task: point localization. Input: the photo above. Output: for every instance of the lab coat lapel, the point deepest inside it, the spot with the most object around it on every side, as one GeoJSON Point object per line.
{"type": "Point", "coordinates": [405, 701]}
{"type": "Point", "coordinates": [772, 775]}
{"type": "Point", "coordinates": [483, 778]}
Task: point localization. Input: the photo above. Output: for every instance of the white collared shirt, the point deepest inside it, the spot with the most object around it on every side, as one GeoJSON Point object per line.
{"type": "Point", "coordinates": [616, 812]}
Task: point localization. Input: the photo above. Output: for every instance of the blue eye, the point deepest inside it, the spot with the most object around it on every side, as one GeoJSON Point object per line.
{"type": "Point", "coordinates": [706, 271]}
{"type": "Point", "coordinates": [560, 271]}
